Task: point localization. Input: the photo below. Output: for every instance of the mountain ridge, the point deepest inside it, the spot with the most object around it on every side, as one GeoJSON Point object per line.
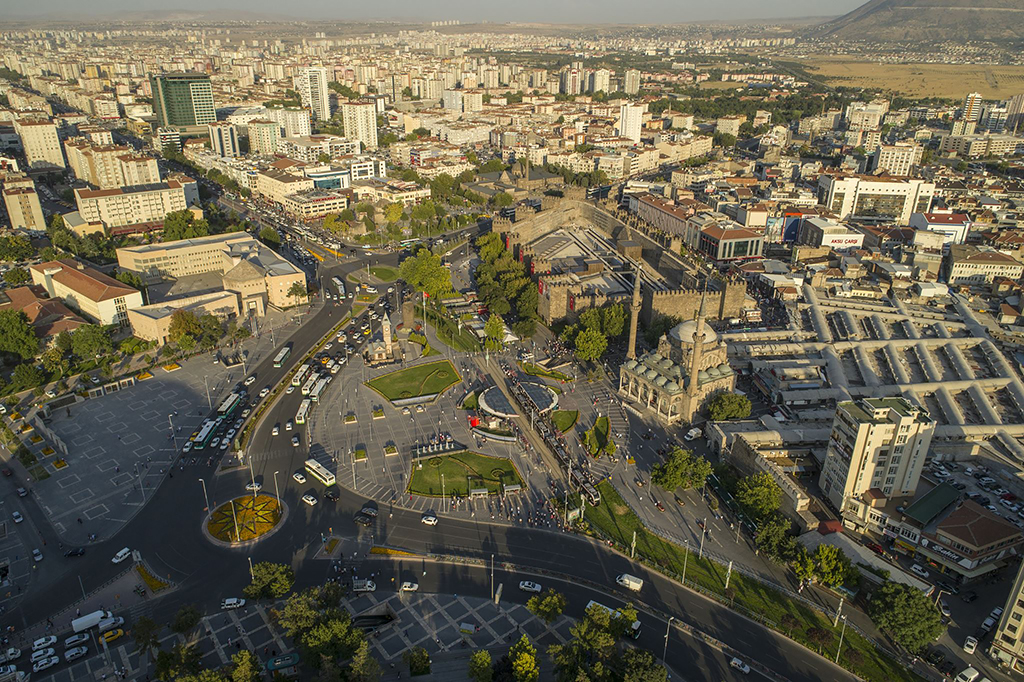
{"type": "Point", "coordinates": [930, 20]}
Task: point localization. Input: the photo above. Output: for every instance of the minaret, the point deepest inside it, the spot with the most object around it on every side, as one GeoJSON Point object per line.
{"type": "Point", "coordinates": [699, 336]}
{"type": "Point", "coordinates": [634, 316]}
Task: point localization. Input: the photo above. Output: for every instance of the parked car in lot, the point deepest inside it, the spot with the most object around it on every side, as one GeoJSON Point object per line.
{"type": "Point", "coordinates": [970, 645]}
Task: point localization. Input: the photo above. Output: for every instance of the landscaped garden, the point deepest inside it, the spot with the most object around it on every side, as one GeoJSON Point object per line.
{"type": "Point", "coordinates": [255, 517]}
{"type": "Point", "coordinates": [385, 273]}
{"type": "Point", "coordinates": [538, 371]}
{"type": "Point", "coordinates": [411, 382]}
{"type": "Point", "coordinates": [462, 471]}
{"type": "Point", "coordinates": [597, 439]}
{"type": "Point", "coordinates": [564, 420]}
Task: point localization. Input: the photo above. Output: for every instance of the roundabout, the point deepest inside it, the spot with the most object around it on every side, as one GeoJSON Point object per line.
{"type": "Point", "coordinates": [244, 520]}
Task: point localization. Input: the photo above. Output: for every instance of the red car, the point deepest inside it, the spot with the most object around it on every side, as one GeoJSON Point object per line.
{"type": "Point", "coordinates": [876, 548]}
{"type": "Point", "coordinates": [8, 472]}
{"type": "Point", "coordinates": [1009, 497]}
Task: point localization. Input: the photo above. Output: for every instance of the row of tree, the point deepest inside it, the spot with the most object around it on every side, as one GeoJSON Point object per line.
{"type": "Point", "coordinates": [590, 333]}
{"type": "Point", "coordinates": [504, 286]}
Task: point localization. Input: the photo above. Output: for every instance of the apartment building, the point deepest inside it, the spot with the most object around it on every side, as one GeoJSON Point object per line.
{"type": "Point", "coordinates": [631, 82]}
{"type": "Point", "coordinates": [311, 84]}
{"type": "Point", "coordinates": [360, 122]}
{"type": "Point", "coordinates": [100, 298]}
{"type": "Point", "coordinates": [390, 191]}
{"type": "Point", "coordinates": [870, 198]}
{"type": "Point", "coordinates": [22, 203]}
{"type": "Point", "coordinates": [1008, 641]}
{"type": "Point", "coordinates": [264, 135]}
{"type": "Point", "coordinates": [274, 185]}
{"type": "Point", "coordinates": [315, 204]}
{"type": "Point", "coordinates": [865, 115]}
{"type": "Point", "coordinates": [40, 142]}
{"type": "Point", "coordinates": [224, 139]}
{"type": "Point", "coordinates": [952, 226]}
{"type": "Point", "coordinates": [876, 451]}
{"type": "Point", "coordinates": [109, 166]}
{"type": "Point", "coordinates": [966, 264]}
{"type": "Point", "coordinates": [132, 205]}
{"type": "Point", "coordinates": [183, 100]}
{"type": "Point", "coordinates": [631, 119]}
{"type": "Point", "coordinates": [982, 145]}
{"type": "Point", "coordinates": [896, 159]}
{"type": "Point", "coordinates": [308, 149]}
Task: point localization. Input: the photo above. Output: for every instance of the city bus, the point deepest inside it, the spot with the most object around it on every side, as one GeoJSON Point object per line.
{"type": "Point", "coordinates": [300, 375]}
{"type": "Point", "coordinates": [318, 390]}
{"type": "Point", "coordinates": [340, 286]}
{"type": "Point", "coordinates": [320, 472]}
{"type": "Point", "coordinates": [228, 406]}
{"type": "Point", "coordinates": [204, 435]}
{"type": "Point", "coordinates": [304, 407]}
{"type": "Point", "coordinates": [282, 355]}
{"type": "Point", "coordinates": [634, 629]}
{"type": "Point", "coordinates": [310, 383]}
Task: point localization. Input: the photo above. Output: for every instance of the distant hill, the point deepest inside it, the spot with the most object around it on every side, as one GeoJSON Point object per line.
{"type": "Point", "coordinates": [927, 20]}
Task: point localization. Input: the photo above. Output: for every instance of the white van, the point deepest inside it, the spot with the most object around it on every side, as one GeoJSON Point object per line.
{"type": "Point", "coordinates": [363, 586]}
{"type": "Point", "coordinates": [968, 675]}
{"type": "Point", "coordinates": [121, 556]}
{"type": "Point", "coordinates": [630, 582]}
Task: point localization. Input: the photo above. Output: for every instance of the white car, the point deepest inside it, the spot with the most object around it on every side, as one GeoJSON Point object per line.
{"type": "Point", "coordinates": [37, 555]}
{"type": "Point", "coordinates": [75, 653]}
{"type": "Point", "coordinates": [276, 430]}
{"type": "Point", "coordinates": [740, 665]}
{"type": "Point", "coordinates": [529, 586]}
{"type": "Point", "coordinates": [328, 346]}
{"type": "Point", "coordinates": [428, 519]}
{"type": "Point", "coordinates": [44, 642]}
{"type": "Point", "coordinates": [920, 570]}
{"type": "Point", "coordinates": [42, 653]}
{"type": "Point", "coordinates": [309, 499]}
{"type": "Point", "coordinates": [76, 640]}
{"type": "Point", "coordinates": [225, 444]}
{"type": "Point", "coordinates": [232, 603]}
{"type": "Point", "coordinates": [288, 425]}
{"type": "Point", "coordinates": [18, 518]}
{"type": "Point", "coordinates": [409, 587]}
{"type": "Point", "coordinates": [295, 441]}
{"type": "Point", "coordinates": [249, 381]}
{"type": "Point", "coordinates": [214, 443]}
{"type": "Point", "coordinates": [121, 556]}
{"type": "Point", "coordinates": [11, 654]}
{"type": "Point", "coordinates": [970, 645]}
{"type": "Point", "coordinates": [45, 664]}
{"type": "Point", "coordinates": [254, 487]}
{"type": "Point", "coordinates": [111, 623]}
{"type": "Point", "coordinates": [265, 391]}
{"type": "Point", "coordinates": [186, 447]}
{"type": "Point", "coordinates": [299, 478]}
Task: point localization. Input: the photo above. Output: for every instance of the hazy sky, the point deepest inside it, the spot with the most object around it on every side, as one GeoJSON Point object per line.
{"type": "Point", "coordinates": [583, 11]}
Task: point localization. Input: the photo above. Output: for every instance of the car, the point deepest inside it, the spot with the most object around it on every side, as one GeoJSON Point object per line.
{"type": "Point", "coordinates": [332, 494]}
{"type": "Point", "coordinates": [7, 472]}
{"type": "Point", "coordinates": [76, 640]}
{"type": "Point", "coordinates": [920, 570]}
{"type": "Point", "coordinates": [988, 624]}
{"type": "Point", "coordinates": [50, 393]}
{"type": "Point", "coordinates": [692, 434]}
{"type": "Point", "coordinates": [369, 510]}
{"type": "Point", "coordinates": [875, 547]}
{"type": "Point", "coordinates": [288, 425]}
{"type": "Point", "coordinates": [214, 443]}
{"type": "Point", "coordinates": [45, 663]}
{"type": "Point", "coordinates": [225, 444]}
{"type": "Point", "coordinates": [329, 346]}
{"type": "Point", "coordinates": [75, 653]}
{"type": "Point", "coordinates": [299, 478]}
{"type": "Point", "coordinates": [362, 519]}
{"type": "Point", "coordinates": [420, 409]}
{"type": "Point", "coordinates": [529, 586]}
{"type": "Point", "coordinates": [996, 612]}
{"type": "Point", "coordinates": [429, 519]}
{"type": "Point", "coordinates": [111, 623]}
{"type": "Point", "coordinates": [232, 603]}
{"type": "Point", "coordinates": [18, 518]}
{"type": "Point", "coordinates": [249, 381]}
{"type": "Point", "coordinates": [970, 645]}
{"type": "Point", "coordinates": [230, 434]}
{"type": "Point", "coordinates": [295, 441]}
{"type": "Point", "coordinates": [254, 486]}
{"type": "Point", "coordinates": [289, 390]}
{"type": "Point", "coordinates": [10, 654]}
{"type": "Point", "coordinates": [42, 653]}
{"type": "Point", "coordinates": [22, 492]}
{"type": "Point", "coordinates": [44, 642]}
{"type": "Point", "coordinates": [309, 499]}
{"type": "Point", "coordinates": [944, 609]}
{"type": "Point", "coordinates": [76, 551]}
{"type": "Point", "coordinates": [264, 391]}
{"type": "Point", "coordinates": [969, 597]}
{"type": "Point", "coordinates": [659, 505]}
{"type": "Point", "coordinates": [968, 675]}
{"type": "Point", "coordinates": [121, 556]}
{"type": "Point", "coordinates": [740, 665]}
{"type": "Point", "coordinates": [409, 587]}
{"type": "Point", "coordinates": [111, 635]}
{"type": "Point", "coordinates": [37, 555]}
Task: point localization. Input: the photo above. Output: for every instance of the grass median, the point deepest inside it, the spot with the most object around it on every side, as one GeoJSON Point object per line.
{"type": "Point", "coordinates": [614, 519]}
{"type": "Point", "coordinates": [564, 420]}
{"type": "Point", "coordinates": [426, 379]}
{"type": "Point", "coordinates": [461, 472]}
{"type": "Point", "coordinates": [538, 371]}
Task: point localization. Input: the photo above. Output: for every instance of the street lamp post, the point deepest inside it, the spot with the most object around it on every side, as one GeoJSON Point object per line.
{"type": "Point", "coordinates": [686, 555]}
{"type": "Point", "coordinates": [444, 499]}
{"type": "Point", "coordinates": [174, 441]}
{"type": "Point", "coordinates": [492, 577]}
{"type": "Point", "coordinates": [252, 475]}
{"type": "Point", "coordinates": [205, 496]}
{"type": "Point", "coordinates": [252, 573]}
{"type": "Point", "coordinates": [843, 632]}
{"type": "Point", "coordinates": [668, 626]}
{"type": "Point", "coordinates": [277, 491]}
{"type": "Point", "coordinates": [703, 532]}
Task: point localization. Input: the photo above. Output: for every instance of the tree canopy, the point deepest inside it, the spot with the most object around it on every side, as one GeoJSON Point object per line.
{"type": "Point", "coordinates": [906, 614]}
{"type": "Point", "coordinates": [729, 406]}
{"type": "Point", "coordinates": [16, 335]}
{"type": "Point", "coordinates": [424, 272]}
{"type": "Point", "coordinates": [759, 494]}
{"type": "Point", "coordinates": [681, 468]}
{"type": "Point", "coordinates": [270, 581]}
{"type": "Point", "coordinates": [184, 225]}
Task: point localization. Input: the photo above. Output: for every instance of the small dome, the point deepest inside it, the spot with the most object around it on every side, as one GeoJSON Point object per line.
{"type": "Point", "coordinates": [651, 373]}
{"type": "Point", "coordinates": [671, 387]}
{"type": "Point", "coordinates": [702, 377]}
{"type": "Point", "coordinates": [630, 364]}
{"type": "Point", "coordinates": [725, 369]}
{"type": "Point", "coordinates": [665, 363]}
{"type": "Point", "coordinates": [660, 381]}
{"type": "Point", "coordinates": [713, 372]}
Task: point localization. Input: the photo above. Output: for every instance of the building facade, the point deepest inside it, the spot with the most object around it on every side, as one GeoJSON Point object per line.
{"type": "Point", "coordinates": [40, 142]}
{"type": "Point", "coordinates": [360, 122]}
{"type": "Point", "coordinates": [138, 203]}
{"type": "Point", "coordinates": [263, 136]}
{"type": "Point", "coordinates": [874, 198]}
{"type": "Point", "coordinates": [311, 84]}
{"type": "Point", "coordinates": [100, 298]}
{"type": "Point", "coordinates": [224, 139]}
{"type": "Point", "coordinates": [182, 100]}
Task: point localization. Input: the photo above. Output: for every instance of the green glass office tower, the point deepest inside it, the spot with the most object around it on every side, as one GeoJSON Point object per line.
{"type": "Point", "coordinates": [182, 99]}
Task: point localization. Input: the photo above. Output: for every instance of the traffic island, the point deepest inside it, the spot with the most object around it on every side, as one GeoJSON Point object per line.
{"type": "Point", "coordinates": [462, 473]}
{"type": "Point", "coordinates": [244, 520]}
{"type": "Point", "coordinates": [427, 380]}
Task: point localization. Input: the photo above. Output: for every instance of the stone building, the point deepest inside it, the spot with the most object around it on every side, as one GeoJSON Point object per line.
{"type": "Point", "coordinates": [673, 382]}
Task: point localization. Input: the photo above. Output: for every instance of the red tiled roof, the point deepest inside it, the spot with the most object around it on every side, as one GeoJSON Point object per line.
{"type": "Point", "coordinates": [89, 282]}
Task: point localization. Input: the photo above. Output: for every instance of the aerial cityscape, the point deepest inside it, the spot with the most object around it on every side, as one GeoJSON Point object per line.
{"type": "Point", "coordinates": [588, 342]}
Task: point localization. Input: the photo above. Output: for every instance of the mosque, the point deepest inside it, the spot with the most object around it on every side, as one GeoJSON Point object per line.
{"type": "Point", "coordinates": [673, 382]}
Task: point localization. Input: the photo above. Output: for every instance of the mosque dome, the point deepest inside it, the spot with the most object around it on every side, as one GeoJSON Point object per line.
{"type": "Point", "coordinates": [725, 369]}
{"type": "Point", "coordinates": [684, 332]}
{"type": "Point", "coordinates": [702, 377]}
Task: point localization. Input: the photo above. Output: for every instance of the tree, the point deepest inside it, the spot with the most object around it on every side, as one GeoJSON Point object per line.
{"type": "Point", "coordinates": [773, 536]}
{"type": "Point", "coordinates": [480, 666]}
{"type": "Point", "coordinates": [270, 581]}
{"type": "Point", "coordinates": [211, 330]}
{"type": "Point", "coordinates": [393, 212]}
{"type": "Point", "coordinates": [26, 375]}
{"type": "Point", "coordinates": [364, 667]}
{"type": "Point", "coordinates": [680, 469]}
{"type": "Point", "coordinates": [803, 564]}
{"type": "Point", "coordinates": [502, 200]}
{"type": "Point", "coordinates": [831, 566]}
{"type": "Point", "coordinates": [424, 272]}
{"type": "Point", "coordinates": [548, 606]}
{"type": "Point", "coordinates": [523, 656]}
{"type": "Point", "coordinates": [820, 637]}
{"type": "Point", "coordinates": [729, 406]}
{"type": "Point", "coordinates": [271, 238]}
{"type": "Point", "coordinates": [145, 632]}
{"type": "Point", "coordinates": [181, 660]}
{"type": "Point", "coordinates": [323, 158]}
{"type": "Point", "coordinates": [639, 665]}
{"type": "Point", "coordinates": [54, 361]}
{"type": "Point", "coordinates": [332, 636]}
{"type": "Point", "coordinates": [584, 656]}
{"type": "Point", "coordinates": [184, 225]}
{"type": "Point", "coordinates": [131, 279]}
{"type": "Point", "coordinates": [90, 341]}
{"type": "Point", "coordinates": [418, 661]}
{"type": "Point", "coordinates": [296, 291]}
{"type": "Point", "coordinates": [759, 494]}
{"type": "Point", "coordinates": [299, 614]}
{"type": "Point", "coordinates": [184, 324]}
{"type": "Point", "coordinates": [17, 336]}
{"type": "Point", "coordinates": [494, 329]}
{"type": "Point", "coordinates": [15, 248]}
{"type": "Point", "coordinates": [613, 320]}
{"type": "Point", "coordinates": [590, 345]}
{"type": "Point", "coordinates": [246, 667]}
{"type": "Point", "coordinates": [186, 619]}
{"type": "Point", "coordinates": [17, 276]}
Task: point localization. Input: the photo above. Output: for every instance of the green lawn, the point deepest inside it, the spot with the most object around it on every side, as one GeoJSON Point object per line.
{"type": "Point", "coordinates": [564, 419]}
{"type": "Point", "coordinates": [448, 332]}
{"type": "Point", "coordinates": [597, 437]}
{"type": "Point", "coordinates": [538, 371]}
{"type": "Point", "coordinates": [461, 471]}
{"type": "Point", "coordinates": [614, 519]}
{"type": "Point", "coordinates": [384, 273]}
{"type": "Point", "coordinates": [471, 402]}
{"type": "Point", "coordinates": [433, 377]}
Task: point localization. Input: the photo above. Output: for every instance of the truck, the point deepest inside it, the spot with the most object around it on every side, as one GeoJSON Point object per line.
{"type": "Point", "coordinates": [89, 620]}
{"type": "Point", "coordinates": [630, 582]}
{"type": "Point", "coordinates": [363, 586]}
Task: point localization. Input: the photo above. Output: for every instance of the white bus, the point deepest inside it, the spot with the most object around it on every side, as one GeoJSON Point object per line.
{"type": "Point", "coordinates": [320, 472]}
{"type": "Point", "coordinates": [282, 355]}
{"type": "Point", "coordinates": [310, 383]}
{"type": "Point", "coordinates": [634, 629]}
{"type": "Point", "coordinates": [300, 375]}
{"type": "Point", "coordinates": [203, 437]}
{"type": "Point", "coordinates": [304, 407]}
{"type": "Point", "coordinates": [318, 390]}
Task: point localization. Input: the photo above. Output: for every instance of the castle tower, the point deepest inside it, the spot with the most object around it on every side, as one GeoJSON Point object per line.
{"type": "Point", "coordinates": [634, 316]}
{"type": "Point", "coordinates": [699, 336]}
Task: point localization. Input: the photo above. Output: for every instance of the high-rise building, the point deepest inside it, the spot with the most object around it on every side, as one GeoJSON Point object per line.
{"type": "Point", "coordinates": [572, 81]}
{"type": "Point", "coordinates": [896, 159]}
{"type": "Point", "coordinates": [182, 100]}
{"type": "Point", "coordinates": [972, 107]}
{"type": "Point", "coordinates": [1008, 642]}
{"type": "Point", "coordinates": [294, 121]}
{"type": "Point", "coordinates": [876, 450]}
{"type": "Point", "coordinates": [311, 84]}
{"type": "Point", "coordinates": [631, 86]}
{"type": "Point", "coordinates": [22, 203]}
{"type": "Point", "coordinates": [452, 99]}
{"type": "Point", "coordinates": [263, 136]}
{"type": "Point", "coordinates": [224, 139]}
{"type": "Point", "coordinates": [600, 80]}
{"type": "Point", "coordinates": [360, 122]}
{"type": "Point", "coordinates": [631, 118]}
{"type": "Point", "coordinates": [1015, 113]}
{"type": "Point", "coordinates": [40, 142]}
